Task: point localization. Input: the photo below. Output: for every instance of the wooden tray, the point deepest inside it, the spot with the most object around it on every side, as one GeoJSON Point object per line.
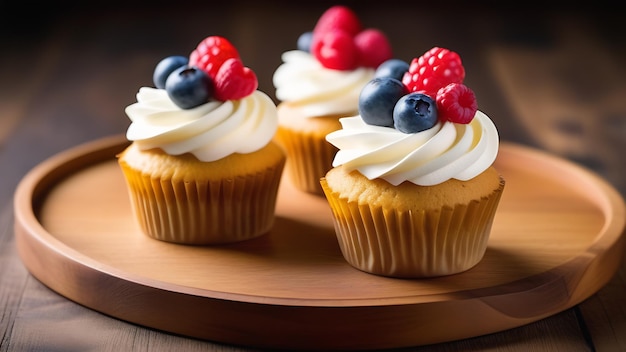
{"type": "Point", "coordinates": [556, 240]}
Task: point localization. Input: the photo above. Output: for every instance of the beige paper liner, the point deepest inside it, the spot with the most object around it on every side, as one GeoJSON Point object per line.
{"type": "Point", "coordinates": [410, 244]}
{"type": "Point", "coordinates": [309, 157]}
{"type": "Point", "coordinates": [204, 212]}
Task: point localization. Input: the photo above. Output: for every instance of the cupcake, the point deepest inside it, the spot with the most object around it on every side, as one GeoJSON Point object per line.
{"type": "Point", "coordinates": [317, 84]}
{"type": "Point", "coordinates": [413, 190]}
{"type": "Point", "coordinates": [202, 167]}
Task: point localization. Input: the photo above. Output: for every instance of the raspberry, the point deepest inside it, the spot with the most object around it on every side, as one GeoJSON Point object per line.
{"type": "Point", "coordinates": [372, 47]}
{"type": "Point", "coordinates": [211, 53]}
{"type": "Point", "coordinates": [333, 38]}
{"type": "Point", "coordinates": [456, 103]}
{"type": "Point", "coordinates": [437, 68]}
{"type": "Point", "coordinates": [340, 43]}
{"type": "Point", "coordinates": [234, 81]}
{"type": "Point", "coordinates": [335, 50]}
{"type": "Point", "coordinates": [338, 17]}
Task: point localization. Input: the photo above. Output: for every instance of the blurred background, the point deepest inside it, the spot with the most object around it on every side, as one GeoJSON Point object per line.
{"type": "Point", "coordinates": [550, 74]}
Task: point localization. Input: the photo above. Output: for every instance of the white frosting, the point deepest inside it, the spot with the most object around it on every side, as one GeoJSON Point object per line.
{"type": "Point", "coordinates": [315, 90]}
{"type": "Point", "coordinates": [447, 150]}
{"type": "Point", "coordinates": [210, 131]}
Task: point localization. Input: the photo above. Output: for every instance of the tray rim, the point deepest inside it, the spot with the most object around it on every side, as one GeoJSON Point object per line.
{"type": "Point", "coordinates": [30, 232]}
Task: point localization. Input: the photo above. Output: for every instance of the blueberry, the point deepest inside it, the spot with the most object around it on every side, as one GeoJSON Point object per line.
{"type": "Point", "coordinates": [394, 68]}
{"type": "Point", "coordinates": [165, 67]}
{"type": "Point", "coordinates": [377, 100]}
{"type": "Point", "coordinates": [189, 87]}
{"type": "Point", "coordinates": [415, 112]}
{"type": "Point", "coordinates": [304, 41]}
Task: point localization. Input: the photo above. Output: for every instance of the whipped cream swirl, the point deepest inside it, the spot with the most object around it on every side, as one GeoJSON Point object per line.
{"type": "Point", "coordinates": [210, 131]}
{"type": "Point", "coordinates": [446, 151]}
{"type": "Point", "coordinates": [306, 85]}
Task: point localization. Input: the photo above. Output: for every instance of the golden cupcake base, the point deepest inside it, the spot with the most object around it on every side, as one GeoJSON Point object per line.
{"type": "Point", "coordinates": [309, 155]}
{"type": "Point", "coordinates": [415, 241]}
{"type": "Point", "coordinates": [193, 202]}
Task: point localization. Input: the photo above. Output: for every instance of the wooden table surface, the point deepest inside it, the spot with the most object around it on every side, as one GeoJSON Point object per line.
{"type": "Point", "coordinates": [550, 78]}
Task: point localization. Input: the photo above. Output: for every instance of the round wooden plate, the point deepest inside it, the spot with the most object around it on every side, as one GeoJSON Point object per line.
{"type": "Point", "coordinates": [556, 240]}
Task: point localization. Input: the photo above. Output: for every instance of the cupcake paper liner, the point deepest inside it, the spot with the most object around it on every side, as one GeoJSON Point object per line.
{"type": "Point", "coordinates": [309, 158]}
{"type": "Point", "coordinates": [204, 212]}
{"type": "Point", "coordinates": [413, 243]}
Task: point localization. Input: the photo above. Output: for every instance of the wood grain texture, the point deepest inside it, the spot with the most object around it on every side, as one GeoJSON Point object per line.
{"type": "Point", "coordinates": [292, 288]}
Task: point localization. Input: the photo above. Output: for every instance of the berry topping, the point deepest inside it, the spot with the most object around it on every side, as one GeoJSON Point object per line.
{"type": "Point", "coordinates": [189, 87]}
{"type": "Point", "coordinates": [394, 68]}
{"type": "Point", "coordinates": [335, 50]}
{"type": "Point", "coordinates": [339, 42]}
{"type": "Point", "coordinates": [234, 81]}
{"type": "Point", "coordinates": [431, 89]}
{"type": "Point", "coordinates": [437, 68]}
{"type": "Point", "coordinates": [456, 103]}
{"type": "Point", "coordinates": [213, 71]}
{"type": "Point", "coordinates": [338, 17]}
{"type": "Point", "coordinates": [378, 98]}
{"type": "Point", "coordinates": [165, 67]}
{"type": "Point", "coordinates": [304, 41]}
{"type": "Point", "coordinates": [373, 48]}
{"type": "Point", "coordinates": [211, 53]}
{"type": "Point", "coordinates": [415, 112]}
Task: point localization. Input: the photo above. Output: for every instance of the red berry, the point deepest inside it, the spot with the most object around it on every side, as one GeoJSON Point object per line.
{"type": "Point", "coordinates": [332, 43]}
{"type": "Point", "coordinates": [234, 81]}
{"type": "Point", "coordinates": [372, 47]}
{"type": "Point", "coordinates": [211, 53]}
{"type": "Point", "coordinates": [437, 68]}
{"type": "Point", "coordinates": [456, 103]}
{"type": "Point", "coordinates": [338, 17]}
{"type": "Point", "coordinates": [335, 50]}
